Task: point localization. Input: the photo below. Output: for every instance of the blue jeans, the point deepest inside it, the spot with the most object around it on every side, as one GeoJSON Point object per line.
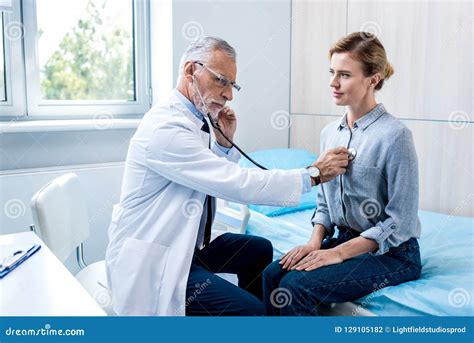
{"type": "Point", "coordinates": [301, 293]}
{"type": "Point", "coordinates": [207, 294]}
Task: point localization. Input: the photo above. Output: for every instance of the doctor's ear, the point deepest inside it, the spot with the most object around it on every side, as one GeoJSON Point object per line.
{"type": "Point", "coordinates": [189, 70]}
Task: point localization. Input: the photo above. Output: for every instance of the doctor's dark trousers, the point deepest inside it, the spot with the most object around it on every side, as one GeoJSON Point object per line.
{"type": "Point", "coordinates": [207, 294]}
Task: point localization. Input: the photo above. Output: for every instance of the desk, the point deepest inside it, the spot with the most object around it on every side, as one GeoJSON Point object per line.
{"type": "Point", "coordinates": [42, 286]}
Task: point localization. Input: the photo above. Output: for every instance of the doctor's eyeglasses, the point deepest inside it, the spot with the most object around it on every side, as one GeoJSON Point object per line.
{"type": "Point", "coordinates": [221, 80]}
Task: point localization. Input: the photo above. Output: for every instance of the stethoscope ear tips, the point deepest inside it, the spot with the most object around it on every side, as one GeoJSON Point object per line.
{"type": "Point", "coordinates": [352, 153]}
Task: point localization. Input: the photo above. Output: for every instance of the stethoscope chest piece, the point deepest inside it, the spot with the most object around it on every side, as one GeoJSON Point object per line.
{"type": "Point", "coordinates": [352, 153]}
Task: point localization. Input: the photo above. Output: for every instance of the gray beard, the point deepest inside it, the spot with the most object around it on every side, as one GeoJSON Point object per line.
{"type": "Point", "coordinates": [200, 106]}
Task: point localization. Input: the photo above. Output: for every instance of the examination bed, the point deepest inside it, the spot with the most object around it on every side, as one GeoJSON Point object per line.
{"type": "Point", "coordinates": [445, 287]}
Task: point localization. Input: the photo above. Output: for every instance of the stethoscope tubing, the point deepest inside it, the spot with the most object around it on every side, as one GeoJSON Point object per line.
{"type": "Point", "coordinates": [216, 126]}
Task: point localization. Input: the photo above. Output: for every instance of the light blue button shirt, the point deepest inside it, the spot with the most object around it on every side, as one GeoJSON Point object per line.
{"type": "Point", "coordinates": [197, 113]}
{"type": "Point", "coordinates": [378, 195]}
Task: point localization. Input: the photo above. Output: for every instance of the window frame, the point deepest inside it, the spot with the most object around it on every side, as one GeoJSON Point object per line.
{"type": "Point", "coordinates": [15, 106]}
{"type": "Point", "coordinates": [64, 109]}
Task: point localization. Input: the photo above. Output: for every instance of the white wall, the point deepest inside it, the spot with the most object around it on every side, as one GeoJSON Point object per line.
{"type": "Point", "coordinates": [59, 148]}
{"type": "Point", "coordinates": [260, 33]}
{"type": "Point", "coordinates": [430, 45]}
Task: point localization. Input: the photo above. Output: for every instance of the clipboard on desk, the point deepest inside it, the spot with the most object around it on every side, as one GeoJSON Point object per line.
{"type": "Point", "coordinates": [16, 258]}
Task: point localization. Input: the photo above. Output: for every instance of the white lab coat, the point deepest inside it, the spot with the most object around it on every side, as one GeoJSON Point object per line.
{"type": "Point", "coordinates": [168, 172]}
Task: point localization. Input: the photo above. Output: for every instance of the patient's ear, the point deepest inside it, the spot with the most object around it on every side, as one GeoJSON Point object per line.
{"type": "Point", "coordinates": [375, 79]}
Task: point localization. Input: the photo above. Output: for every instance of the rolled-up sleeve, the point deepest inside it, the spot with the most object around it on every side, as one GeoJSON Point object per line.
{"type": "Point", "coordinates": [402, 207]}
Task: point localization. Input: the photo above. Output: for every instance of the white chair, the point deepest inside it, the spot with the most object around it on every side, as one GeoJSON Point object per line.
{"type": "Point", "coordinates": [62, 222]}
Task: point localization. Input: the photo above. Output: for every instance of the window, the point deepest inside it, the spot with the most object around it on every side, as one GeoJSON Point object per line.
{"type": "Point", "coordinates": [87, 53]}
{"type": "Point", "coordinates": [3, 95]}
{"type": "Point", "coordinates": [86, 57]}
{"type": "Point", "coordinates": [12, 69]}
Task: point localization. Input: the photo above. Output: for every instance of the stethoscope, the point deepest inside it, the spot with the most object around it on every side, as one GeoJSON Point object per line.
{"type": "Point", "coordinates": [216, 126]}
{"type": "Point", "coordinates": [352, 153]}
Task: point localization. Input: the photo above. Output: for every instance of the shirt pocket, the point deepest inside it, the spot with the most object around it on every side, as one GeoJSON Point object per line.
{"type": "Point", "coordinates": [364, 180]}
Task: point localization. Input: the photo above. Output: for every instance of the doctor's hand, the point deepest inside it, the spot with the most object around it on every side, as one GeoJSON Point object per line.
{"type": "Point", "coordinates": [228, 124]}
{"type": "Point", "coordinates": [332, 163]}
{"type": "Point", "coordinates": [292, 257]}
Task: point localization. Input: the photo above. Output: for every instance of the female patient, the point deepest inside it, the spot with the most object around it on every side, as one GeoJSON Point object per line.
{"type": "Point", "coordinates": [373, 205]}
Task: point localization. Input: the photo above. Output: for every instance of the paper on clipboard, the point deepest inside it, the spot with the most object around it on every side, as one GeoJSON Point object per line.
{"type": "Point", "coordinates": [12, 256]}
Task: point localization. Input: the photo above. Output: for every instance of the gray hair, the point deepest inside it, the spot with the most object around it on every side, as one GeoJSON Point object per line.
{"type": "Point", "coordinates": [202, 49]}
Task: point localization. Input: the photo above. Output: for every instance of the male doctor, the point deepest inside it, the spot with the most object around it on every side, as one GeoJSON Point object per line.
{"type": "Point", "coordinates": [160, 260]}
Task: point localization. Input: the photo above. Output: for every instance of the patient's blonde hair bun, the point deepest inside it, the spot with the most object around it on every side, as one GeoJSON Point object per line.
{"type": "Point", "coordinates": [388, 70]}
